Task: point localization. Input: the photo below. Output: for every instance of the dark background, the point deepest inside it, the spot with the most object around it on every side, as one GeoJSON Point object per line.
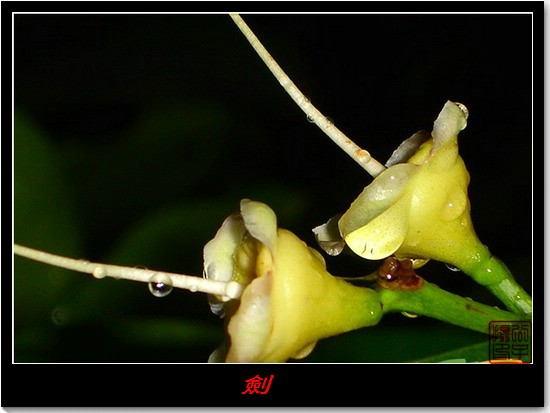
{"type": "Point", "coordinates": [136, 135]}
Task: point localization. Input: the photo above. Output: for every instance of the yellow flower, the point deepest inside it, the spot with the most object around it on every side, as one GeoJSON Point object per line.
{"type": "Point", "coordinates": [290, 301]}
{"type": "Point", "coordinates": [418, 209]}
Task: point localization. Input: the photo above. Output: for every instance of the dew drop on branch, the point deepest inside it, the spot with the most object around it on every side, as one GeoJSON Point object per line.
{"type": "Point", "coordinates": [99, 272]}
{"type": "Point", "coordinates": [160, 285]}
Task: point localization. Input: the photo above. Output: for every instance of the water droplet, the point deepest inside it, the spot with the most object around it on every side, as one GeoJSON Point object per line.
{"type": "Point", "coordinates": [310, 119]}
{"type": "Point", "coordinates": [160, 285]}
{"type": "Point", "coordinates": [410, 315]}
{"type": "Point", "coordinates": [450, 267]}
{"type": "Point", "coordinates": [333, 250]}
{"type": "Point", "coordinates": [455, 205]}
{"type": "Point", "coordinates": [99, 272]}
{"type": "Point", "coordinates": [193, 288]}
{"type": "Point", "coordinates": [463, 108]}
{"type": "Point", "coordinates": [84, 262]}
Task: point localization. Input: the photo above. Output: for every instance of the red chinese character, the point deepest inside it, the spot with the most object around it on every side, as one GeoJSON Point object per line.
{"type": "Point", "coordinates": [256, 383]}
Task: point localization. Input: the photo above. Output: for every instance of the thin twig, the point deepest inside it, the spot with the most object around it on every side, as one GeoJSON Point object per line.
{"type": "Point", "coordinates": [229, 290]}
{"type": "Point", "coordinates": [361, 156]}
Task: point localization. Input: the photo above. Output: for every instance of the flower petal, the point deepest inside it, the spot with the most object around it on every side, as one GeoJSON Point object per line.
{"type": "Point", "coordinates": [451, 120]}
{"type": "Point", "coordinates": [220, 251]}
{"type": "Point", "coordinates": [251, 325]}
{"type": "Point", "coordinates": [260, 221]}
{"type": "Point", "coordinates": [408, 148]}
{"type": "Point", "coordinates": [328, 236]}
{"type": "Point", "coordinates": [382, 236]}
{"type": "Point", "coordinates": [376, 198]}
{"type": "Point", "coordinates": [219, 256]}
{"type": "Point", "coordinates": [218, 355]}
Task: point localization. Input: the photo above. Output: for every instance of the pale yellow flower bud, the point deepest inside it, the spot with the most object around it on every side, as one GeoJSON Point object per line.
{"type": "Point", "coordinates": [290, 300]}
{"type": "Point", "coordinates": [419, 209]}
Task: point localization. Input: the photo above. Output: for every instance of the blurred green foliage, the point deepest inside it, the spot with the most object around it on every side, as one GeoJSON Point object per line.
{"type": "Point", "coordinates": [135, 136]}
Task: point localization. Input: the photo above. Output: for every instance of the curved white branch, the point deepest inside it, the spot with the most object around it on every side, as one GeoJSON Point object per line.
{"type": "Point", "coordinates": [361, 156]}
{"type": "Point", "coordinates": [229, 290]}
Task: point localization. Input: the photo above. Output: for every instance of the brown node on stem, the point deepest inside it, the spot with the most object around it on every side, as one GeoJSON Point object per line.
{"type": "Point", "coordinates": [399, 275]}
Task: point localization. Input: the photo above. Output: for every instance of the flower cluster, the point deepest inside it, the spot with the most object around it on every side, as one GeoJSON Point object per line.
{"type": "Point", "coordinates": [417, 208]}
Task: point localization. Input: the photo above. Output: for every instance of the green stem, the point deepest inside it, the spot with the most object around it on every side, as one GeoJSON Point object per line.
{"type": "Point", "coordinates": [493, 274]}
{"type": "Point", "coordinates": [432, 301]}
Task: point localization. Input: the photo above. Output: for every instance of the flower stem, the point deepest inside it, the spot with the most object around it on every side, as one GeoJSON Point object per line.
{"type": "Point", "coordinates": [495, 275]}
{"type": "Point", "coordinates": [228, 290]}
{"type": "Point", "coordinates": [359, 155]}
{"type": "Point", "coordinates": [432, 301]}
